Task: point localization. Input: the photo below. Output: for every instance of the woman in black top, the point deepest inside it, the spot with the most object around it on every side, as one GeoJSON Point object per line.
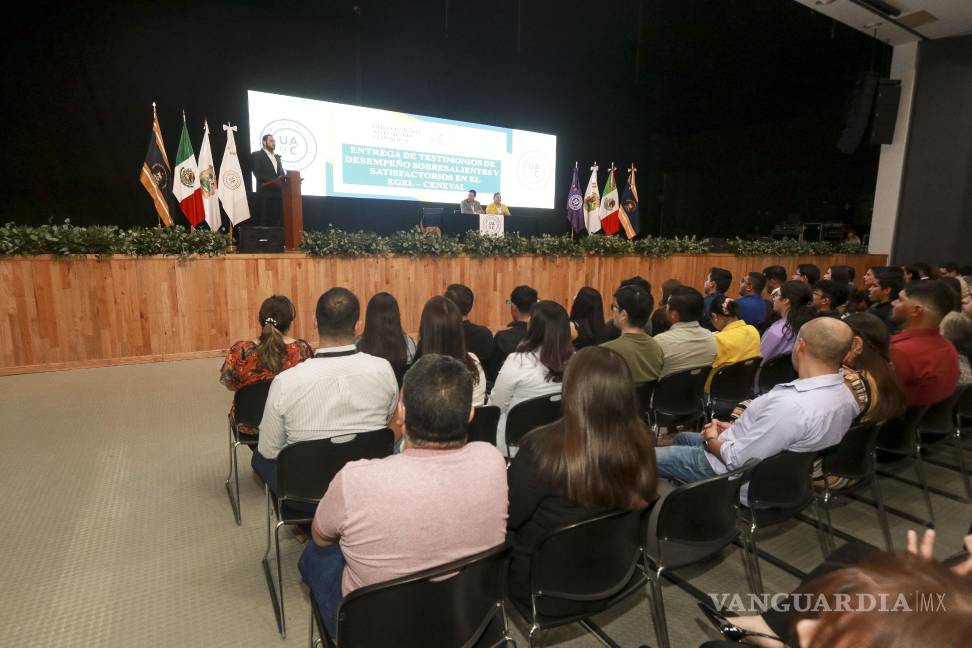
{"type": "Point", "coordinates": [587, 318]}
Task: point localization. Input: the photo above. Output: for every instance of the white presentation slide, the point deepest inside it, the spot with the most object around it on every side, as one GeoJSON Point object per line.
{"type": "Point", "coordinates": [358, 152]}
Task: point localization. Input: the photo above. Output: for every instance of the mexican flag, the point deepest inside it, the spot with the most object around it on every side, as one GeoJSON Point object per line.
{"type": "Point", "coordinates": [185, 186]}
{"type": "Point", "coordinates": [610, 222]}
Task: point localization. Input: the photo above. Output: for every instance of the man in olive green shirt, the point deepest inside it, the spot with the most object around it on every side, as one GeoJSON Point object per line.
{"type": "Point", "coordinates": [631, 310]}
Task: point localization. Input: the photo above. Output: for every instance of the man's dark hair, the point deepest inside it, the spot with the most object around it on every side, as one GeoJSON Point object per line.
{"type": "Point", "coordinates": [835, 291]}
{"type": "Point", "coordinates": [640, 282]}
{"type": "Point", "coordinates": [687, 302]}
{"type": "Point", "coordinates": [893, 271]}
{"type": "Point", "coordinates": [636, 303]}
{"type": "Point", "coordinates": [496, 194]}
{"type": "Point", "coordinates": [472, 191]}
{"type": "Point", "coordinates": [956, 288]}
{"type": "Point", "coordinates": [524, 297]}
{"type": "Point", "coordinates": [933, 294]}
{"type": "Point", "coordinates": [842, 273]}
{"type": "Point", "coordinates": [810, 271]}
{"type": "Point", "coordinates": [889, 281]}
{"type": "Point", "coordinates": [437, 393]}
{"type": "Point", "coordinates": [758, 282]}
{"type": "Point", "coordinates": [338, 310]}
{"type": "Point", "coordinates": [263, 140]}
{"type": "Point", "coordinates": [721, 277]}
{"type": "Point", "coordinates": [777, 272]}
{"type": "Point", "coordinates": [461, 296]}
{"type": "Point", "coordinates": [949, 267]}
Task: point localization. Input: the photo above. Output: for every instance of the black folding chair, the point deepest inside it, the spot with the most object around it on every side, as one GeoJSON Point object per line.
{"type": "Point", "coordinates": [731, 385]}
{"type": "Point", "coordinates": [304, 471]}
{"type": "Point", "coordinates": [248, 404]}
{"type": "Point", "coordinates": [483, 425]}
{"type": "Point", "coordinates": [644, 391]}
{"type": "Point", "coordinates": [775, 372]}
{"type": "Point", "coordinates": [898, 442]}
{"type": "Point", "coordinates": [942, 421]}
{"type": "Point", "coordinates": [688, 525]}
{"type": "Point", "coordinates": [679, 398]}
{"type": "Point", "coordinates": [779, 489]}
{"type": "Point", "coordinates": [459, 605]}
{"type": "Point", "coordinates": [581, 569]}
{"type": "Point", "coordinates": [531, 414]}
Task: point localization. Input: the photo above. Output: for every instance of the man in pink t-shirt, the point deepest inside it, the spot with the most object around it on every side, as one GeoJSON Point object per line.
{"type": "Point", "coordinates": [441, 499]}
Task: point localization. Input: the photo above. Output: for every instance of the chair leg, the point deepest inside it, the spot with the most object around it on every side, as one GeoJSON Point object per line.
{"type": "Point", "coordinates": [657, 607]}
{"type": "Point", "coordinates": [280, 585]}
{"type": "Point", "coordinates": [960, 457]}
{"type": "Point", "coordinates": [882, 514]}
{"type": "Point", "coordinates": [234, 474]}
{"type": "Point", "coordinates": [824, 531]}
{"type": "Point", "coordinates": [756, 582]}
{"type": "Point", "coordinates": [310, 634]}
{"type": "Point", "coordinates": [530, 636]}
{"type": "Point", "coordinates": [920, 469]}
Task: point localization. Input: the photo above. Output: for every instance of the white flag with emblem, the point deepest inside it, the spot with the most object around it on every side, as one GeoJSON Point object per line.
{"type": "Point", "coordinates": [232, 192]}
{"type": "Point", "coordinates": [592, 204]}
{"type": "Point", "coordinates": [207, 180]}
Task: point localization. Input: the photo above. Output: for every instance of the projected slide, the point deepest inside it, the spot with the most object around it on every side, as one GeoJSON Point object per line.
{"type": "Point", "coordinates": [351, 151]}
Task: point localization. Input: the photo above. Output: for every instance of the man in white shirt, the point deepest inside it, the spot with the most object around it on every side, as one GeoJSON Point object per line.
{"type": "Point", "coordinates": [686, 344]}
{"type": "Point", "coordinates": [337, 392]}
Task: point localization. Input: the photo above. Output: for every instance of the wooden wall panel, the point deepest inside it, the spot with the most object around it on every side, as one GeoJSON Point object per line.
{"type": "Point", "coordinates": [64, 313]}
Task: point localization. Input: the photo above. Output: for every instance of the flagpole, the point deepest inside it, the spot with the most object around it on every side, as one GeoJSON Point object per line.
{"type": "Point", "coordinates": [576, 167]}
{"type": "Point", "coordinates": [155, 118]}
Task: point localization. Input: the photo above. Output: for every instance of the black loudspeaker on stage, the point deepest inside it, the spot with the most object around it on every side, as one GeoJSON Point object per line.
{"type": "Point", "coordinates": [261, 239]}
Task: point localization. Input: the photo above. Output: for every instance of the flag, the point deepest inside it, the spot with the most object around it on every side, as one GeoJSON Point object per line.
{"type": "Point", "coordinates": [629, 205]}
{"type": "Point", "coordinates": [575, 204]}
{"type": "Point", "coordinates": [592, 204]}
{"type": "Point", "coordinates": [232, 191]}
{"type": "Point", "coordinates": [207, 181]}
{"type": "Point", "coordinates": [610, 222]}
{"type": "Point", "coordinates": [157, 172]}
{"type": "Point", "coordinates": [186, 186]}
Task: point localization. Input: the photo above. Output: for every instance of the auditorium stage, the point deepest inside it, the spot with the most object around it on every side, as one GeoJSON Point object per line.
{"type": "Point", "coordinates": [62, 313]}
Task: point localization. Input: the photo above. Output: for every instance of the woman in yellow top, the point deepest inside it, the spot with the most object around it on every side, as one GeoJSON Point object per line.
{"type": "Point", "coordinates": [497, 206]}
{"type": "Point", "coordinates": [735, 339]}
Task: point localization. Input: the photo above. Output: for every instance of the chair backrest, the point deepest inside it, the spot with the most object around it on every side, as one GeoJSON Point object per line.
{"type": "Point", "coordinates": [450, 605]}
{"type": "Point", "coordinates": [782, 481]}
{"type": "Point", "coordinates": [776, 371]}
{"type": "Point", "coordinates": [530, 414]}
{"type": "Point", "coordinates": [305, 469]}
{"type": "Point", "coordinates": [681, 392]}
{"type": "Point", "coordinates": [900, 435]}
{"type": "Point", "coordinates": [853, 457]}
{"type": "Point", "coordinates": [940, 417]}
{"type": "Point", "coordinates": [734, 382]}
{"type": "Point", "coordinates": [965, 404]}
{"type": "Point", "coordinates": [483, 425]}
{"type": "Point", "coordinates": [588, 563]}
{"type": "Point", "coordinates": [694, 521]}
{"type": "Point", "coordinates": [644, 391]}
{"type": "Point", "coordinates": [248, 403]}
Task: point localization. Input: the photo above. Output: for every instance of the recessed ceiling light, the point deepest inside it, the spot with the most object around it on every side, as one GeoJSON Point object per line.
{"type": "Point", "coordinates": [873, 25]}
{"type": "Point", "coordinates": [824, 2]}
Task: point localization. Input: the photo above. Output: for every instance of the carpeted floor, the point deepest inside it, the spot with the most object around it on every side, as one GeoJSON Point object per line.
{"type": "Point", "coordinates": [116, 529]}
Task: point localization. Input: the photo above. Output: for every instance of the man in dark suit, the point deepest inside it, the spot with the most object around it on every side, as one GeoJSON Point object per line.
{"type": "Point", "coordinates": [266, 165]}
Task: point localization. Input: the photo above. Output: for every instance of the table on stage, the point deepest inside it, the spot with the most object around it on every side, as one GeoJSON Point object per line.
{"type": "Point", "coordinates": [457, 224]}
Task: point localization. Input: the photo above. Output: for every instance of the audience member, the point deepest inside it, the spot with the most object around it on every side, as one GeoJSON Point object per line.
{"type": "Point", "coordinates": [536, 368]}
{"type": "Point", "coordinates": [879, 395]}
{"type": "Point", "coordinates": [439, 500]}
{"type": "Point", "coordinates": [521, 302]}
{"type": "Point", "coordinates": [857, 301]}
{"type": "Point", "coordinates": [383, 336]}
{"type": "Point", "coordinates": [659, 318]}
{"type": "Point", "coordinates": [843, 274]}
{"type": "Point", "coordinates": [957, 329]}
{"type": "Point", "coordinates": [806, 415]}
{"type": "Point", "coordinates": [918, 272]}
{"type": "Point", "coordinates": [807, 273]}
{"type": "Point", "coordinates": [587, 318]}
{"type": "Point", "coordinates": [830, 298]}
{"type": "Point", "coordinates": [613, 332]}
{"type": "Point", "coordinates": [716, 285]}
{"type": "Point", "coordinates": [775, 277]}
{"type": "Point", "coordinates": [926, 363]}
{"type": "Point", "coordinates": [751, 306]}
{"type": "Point", "coordinates": [686, 345]}
{"type": "Point", "coordinates": [640, 351]}
{"type": "Point", "coordinates": [882, 294]}
{"type": "Point", "coordinates": [967, 303]}
{"type": "Point", "coordinates": [948, 270]}
{"type": "Point", "coordinates": [792, 304]}
{"type": "Point", "coordinates": [260, 359]}
{"type": "Point", "coordinates": [597, 458]}
{"type": "Point", "coordinates": [736, 340]}
{"type": "Point", "coordinates": [479, 339]}
{"type": "Point", "coordinates": [440, 332]}
{"type": "Point", "coordinates": [339, 391]}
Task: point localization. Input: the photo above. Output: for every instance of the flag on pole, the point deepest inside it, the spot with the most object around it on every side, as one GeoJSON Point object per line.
{"type": "Point", "coordinates": [575, 204]}
{"type": "Point", "coordinates": [232, 191]}
{"type": "Point", "coordinates": [157, 172]}
{"type": "Point", "coordinates": [186, 187]}
{"type": "Point", "coordinates": [629, 205]}
{"type": "Point", "coordinates": [207, 181]}
{"type": "Point", "coordinates": [610, 222]}
{"type": "Point", "coordinates": [592, 204]}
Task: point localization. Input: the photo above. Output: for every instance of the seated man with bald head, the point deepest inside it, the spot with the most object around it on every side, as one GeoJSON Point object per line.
{"type": "Point", "coordinates": [809, 414]}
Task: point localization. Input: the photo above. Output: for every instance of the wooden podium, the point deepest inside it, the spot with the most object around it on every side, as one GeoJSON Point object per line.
{"type": "Point", "coordinates": [293, 207]}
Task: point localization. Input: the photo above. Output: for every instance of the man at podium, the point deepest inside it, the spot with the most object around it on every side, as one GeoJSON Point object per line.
{"type": "Point", "coordinates": [497, 206]}
{"type": "Point", "coordinates": [267, 167]}
{"type": "Point", "coordinates": [470, 205]}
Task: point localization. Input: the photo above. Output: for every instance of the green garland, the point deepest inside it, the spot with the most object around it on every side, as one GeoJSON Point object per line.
{"type": "Point", "coordinates": [105, 240]}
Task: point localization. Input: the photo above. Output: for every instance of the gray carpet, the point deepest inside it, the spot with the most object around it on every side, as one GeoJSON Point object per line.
{"type": "Point", "coordinates": [117, 531]}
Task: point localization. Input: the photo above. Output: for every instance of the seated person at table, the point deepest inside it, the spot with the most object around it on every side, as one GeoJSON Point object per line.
{"type": "Point", "coordinates": [470, 205]}
{"type": "Point", "coordinates": [735, 339]}
{"type": "Point", "coordinates": [640, 351]}
{"type": "Point", "coordinates": [337, 392]}
{"type": "Point", "coordinates": [597, 458]}
{"type": "Point", "coordinates": [497, 206]}
{"type": "Point", "coordinates": [686, 345]}
{"type": "Point", "coordinates": [253, 361]}
{"type": "Point", "coordinates": [809, 414]}
{"type": "Point", "coordinates": [439, 500]}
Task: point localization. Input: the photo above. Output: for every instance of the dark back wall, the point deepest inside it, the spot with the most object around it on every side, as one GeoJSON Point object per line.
{"type": "Point", "coordinates": [677, 86]}
{"type": "Point", "coordinates": [935, 211]}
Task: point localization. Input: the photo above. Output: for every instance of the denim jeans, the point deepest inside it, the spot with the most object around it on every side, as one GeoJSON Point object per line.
{"type": "Point", "coordinates": [685, 459]}
{"type": "Point", "coordinates": [321, 568]}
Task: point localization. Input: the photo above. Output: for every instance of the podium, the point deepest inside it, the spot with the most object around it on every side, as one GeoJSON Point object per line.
{"type": "Point", "coordinates": [293, 207]}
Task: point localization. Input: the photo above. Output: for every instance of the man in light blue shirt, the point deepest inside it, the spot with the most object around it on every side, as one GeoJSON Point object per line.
{"type": "Point", "coordinates": [806, 415]}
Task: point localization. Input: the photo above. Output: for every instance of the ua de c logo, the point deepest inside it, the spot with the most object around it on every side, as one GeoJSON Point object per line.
{"type": "Point", "coordinates": [533, 170]}
{"type": "Point", "coordinates": [296, 145]}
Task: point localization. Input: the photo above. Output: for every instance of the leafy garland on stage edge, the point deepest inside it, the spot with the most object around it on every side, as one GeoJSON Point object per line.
{"type": "Point", "coordinates": [105, 240]}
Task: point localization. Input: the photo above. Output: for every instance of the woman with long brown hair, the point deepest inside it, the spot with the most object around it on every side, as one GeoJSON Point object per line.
{"type": "Point", "coordinates": [383, 334]}
{"type": "Point", "coordinates": [440, 331]}
{"type": "Point", "coordinates": [598, 457]}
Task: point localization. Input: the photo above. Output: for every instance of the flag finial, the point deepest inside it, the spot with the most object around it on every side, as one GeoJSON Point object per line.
{"type": "Point", "coordinates": [153, 109]}
{"type": "Point", "coordinates": [575, 164]}
{"type": "Point", "coordinates": [183, 114]}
